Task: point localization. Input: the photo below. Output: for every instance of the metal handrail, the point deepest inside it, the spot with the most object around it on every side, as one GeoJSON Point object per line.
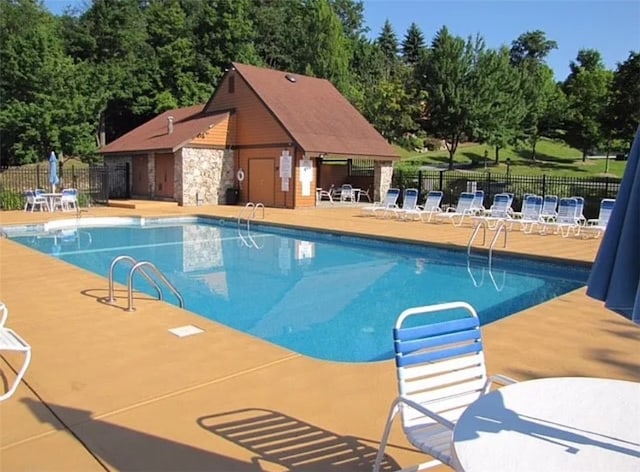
{"type": "Point", "coordinates": [502, 227]}
{"type": "Point", "coordinates": [139, 266]}
{"type": "Point", "coordinates": [481, 224]}
{"type": "Point", "coordinates": [160, 275]}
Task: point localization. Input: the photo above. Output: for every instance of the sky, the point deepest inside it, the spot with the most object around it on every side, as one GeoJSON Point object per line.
{"type": "Point", "coordinates": [609, 26]}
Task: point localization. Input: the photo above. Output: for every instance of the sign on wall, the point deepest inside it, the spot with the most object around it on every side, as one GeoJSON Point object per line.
{"type": "Point", "coordinates": [306, 176]}
{"type": "Point", "coordinates": [285, 169]}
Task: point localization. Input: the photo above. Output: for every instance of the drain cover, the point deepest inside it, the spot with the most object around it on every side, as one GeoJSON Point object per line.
{"type": "Point", "coordinates": [187, 330]}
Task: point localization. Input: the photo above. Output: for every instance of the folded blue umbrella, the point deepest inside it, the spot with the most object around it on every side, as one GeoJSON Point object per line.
{"type": "Point", "coordinates": [615, 275]}
{"type": "Point", "coordinates": [53, 169]}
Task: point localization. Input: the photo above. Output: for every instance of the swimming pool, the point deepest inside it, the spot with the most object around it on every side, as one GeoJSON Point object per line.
{"type": "Point", "coordinates": [331, 297]}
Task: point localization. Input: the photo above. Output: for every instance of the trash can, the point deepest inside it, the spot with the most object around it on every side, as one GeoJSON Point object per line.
{"type": "Point", "coordinates": [232, 196]}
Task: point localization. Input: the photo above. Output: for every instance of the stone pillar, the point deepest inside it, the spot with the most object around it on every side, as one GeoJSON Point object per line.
{"type": "Point", "coordinates": [382, 177]}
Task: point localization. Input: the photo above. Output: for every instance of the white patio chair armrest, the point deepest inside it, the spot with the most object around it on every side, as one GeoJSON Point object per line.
{"type": "Point", "coordinates": [425, 411]}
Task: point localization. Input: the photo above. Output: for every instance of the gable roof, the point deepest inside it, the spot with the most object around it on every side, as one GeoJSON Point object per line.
{"type": "Point", "coordinates": [154, 136]}
{"type": "Point", "coordinates": [316, 115]}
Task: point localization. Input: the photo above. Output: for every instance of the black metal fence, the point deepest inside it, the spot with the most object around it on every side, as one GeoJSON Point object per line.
{"type": "Point", "coordinates": [95, 184]}
{"type": "Point", "coordinates": [453, 182]}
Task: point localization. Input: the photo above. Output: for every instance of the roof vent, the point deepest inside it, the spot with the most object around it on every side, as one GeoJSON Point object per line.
{"type": "Point", "coordinates": [169, 124]}
{"type": "Point", "coordinates": [291, 78]}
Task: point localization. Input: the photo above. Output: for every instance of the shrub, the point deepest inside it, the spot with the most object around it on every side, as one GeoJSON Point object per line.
{"type": "Point", "coordinates": [10, 200]}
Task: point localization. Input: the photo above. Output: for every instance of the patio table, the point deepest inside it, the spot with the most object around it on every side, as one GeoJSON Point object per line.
{"type": "Point", "coordinates": [552, 424]}
{"type": "Point", "coordinates": [51, 199]}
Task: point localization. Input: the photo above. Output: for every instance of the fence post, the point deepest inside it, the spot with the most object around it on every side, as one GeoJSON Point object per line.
{"type": "Point", "coordinates": [440, 181]}
{"type": "Point", "coordinates": [419, 184]}
{"type": "Point", "coordinates": [38, 177]}
{"type": "Point", "coordinates": [544, 184]}
{"type": "Point", "coordinates": [606, 187]}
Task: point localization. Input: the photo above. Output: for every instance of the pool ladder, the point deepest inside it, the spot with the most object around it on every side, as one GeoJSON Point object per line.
{"type": "Point", "coordinates": [139, 266]}
{"type": "Point", "coordinates": [251, 209]}
{"type": "Point", "coordinates": [501, 228]}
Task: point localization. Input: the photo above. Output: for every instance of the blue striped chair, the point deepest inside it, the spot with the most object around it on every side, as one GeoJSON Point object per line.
{"type": "Point", "coordinates": [441, 370]}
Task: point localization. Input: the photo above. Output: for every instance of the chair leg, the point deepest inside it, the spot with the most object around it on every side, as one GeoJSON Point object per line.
{"type": "Point", "coordinates": [27, 359]}
{"type": "Point", "coordinates": [385, 435]}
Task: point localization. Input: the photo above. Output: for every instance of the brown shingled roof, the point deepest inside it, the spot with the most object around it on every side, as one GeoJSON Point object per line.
{"type": "Point", "coordinates": [154, 136]}
{"type": "Point", "coordinates": [316, 115]}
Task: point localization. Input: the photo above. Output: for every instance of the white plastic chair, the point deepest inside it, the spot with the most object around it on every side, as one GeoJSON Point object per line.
{"type": "Point", "coordinates": [68, 201]}
{"type": "Point", "coordinates": [11, 341]}
{"type": "Point", "coordinates": [441, 371]}
{"type": "Point", "coordinates": [34, 200]}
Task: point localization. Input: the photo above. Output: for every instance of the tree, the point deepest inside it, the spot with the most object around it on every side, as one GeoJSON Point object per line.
{"type": "Point", "coordinates": [587, 90]}
{"type": "Point", "coordinates": [528, 53]}
{"type": "Point", "coordinates": [623, 111]}
{"type": "Point", "coordinates": [387, 42]}
{"type": "Point", "coordinates": [499, 101]}
{"type": "Point", "coordinates": [413, 46]}
{"type": "Point", "coordinates": [326, 53]}
{"type": "Point", "coordinates": [449, 87]}
{"type": "Point", "coordinates": [532, 46]}
{"type": "Point", "coordinates": [42, 109]}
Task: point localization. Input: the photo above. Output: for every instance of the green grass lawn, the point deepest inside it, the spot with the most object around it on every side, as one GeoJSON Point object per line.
{"type": "Point", "coordinates": [552, 158]}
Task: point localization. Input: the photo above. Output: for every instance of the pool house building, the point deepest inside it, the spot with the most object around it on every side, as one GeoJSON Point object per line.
{"type": "Point", "coordinates": [264, 136]}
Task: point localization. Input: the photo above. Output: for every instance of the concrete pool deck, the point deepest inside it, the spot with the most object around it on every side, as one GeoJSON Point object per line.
{"type": "Point", "coordinates": [112, 390]}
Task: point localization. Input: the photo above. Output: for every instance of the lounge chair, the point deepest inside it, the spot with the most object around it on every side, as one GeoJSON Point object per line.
{"type": "Point", "coordinates": [11, 341]}
{"type": "Point", "coordinates": [529, 217]}
{"type": "Point", "coordinates": [465, 207]}
{"type": "Point", "coordinates": [500, 211]}
{"type": "Point", "coordinates": [566, 221]}
{"type": "Point", "coordinates": [549, 208]}
{"type": "Point", "coordinates": [580, 210]}
{"type": "Point", "coordinates": [440, 371]}
{"type": "Point", "coordinates": [389, 202]}
{"type": "Point", "coordinates": [597, 226]}
{"type": "Point", "coordinates": [431, 206]}
{"type": "Point", "coordinates": [478, 202]}
{"type": "Point", "coordinates": [409, 203]}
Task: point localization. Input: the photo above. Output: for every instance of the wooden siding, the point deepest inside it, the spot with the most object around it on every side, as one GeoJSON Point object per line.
{"type": "Point", "coordinates": [255, 124]}
{"type": "Point", "coordinates": [164, 175]}
{"type": "Point", "coordinates": [218, 136]}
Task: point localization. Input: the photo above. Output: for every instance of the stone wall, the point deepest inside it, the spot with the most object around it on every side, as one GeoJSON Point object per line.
{"type": "Point", "coordinates": [203, 175]}
{"type": "Point", "coordinates": [382, 174]}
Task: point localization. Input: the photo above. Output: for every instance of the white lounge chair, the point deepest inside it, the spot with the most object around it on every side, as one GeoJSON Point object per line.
{"type": "Point", "coordinates": [597, 226]}
{"type": "Point", "coordinates": [389, 202]}
{"type": "Point", "coordinates": [549, 208]}
{"type": "Point", "coordinates": [529, 217]}
{"type": "Point", "coordinates": [11, 341]}
{"type": "Point", "coordinates": [431, 206]}
{"type": "Point", "coordinates": [465, 207]}
{"type": "Point", "coordinates": [500, 211]}
{"type": "Point", "coordinates": [409, 203]}
{"type": "Point", "coordinates": [440, 371]}
{"type": "Point", "coordinates": [566, 221]}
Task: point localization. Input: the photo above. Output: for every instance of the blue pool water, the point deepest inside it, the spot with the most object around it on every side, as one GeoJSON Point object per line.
{"type": "Point", "coordinates": [327, 296]}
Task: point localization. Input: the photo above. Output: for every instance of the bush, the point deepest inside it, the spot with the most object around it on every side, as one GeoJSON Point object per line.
{"type": "Point", "coordinates": [10, 200]}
